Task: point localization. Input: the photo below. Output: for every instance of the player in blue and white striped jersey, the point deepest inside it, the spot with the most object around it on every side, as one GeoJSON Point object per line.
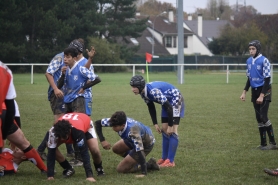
{"type": "Point", "coordinates": [172, 110]}
{"type": "Point", "coordinates": [136, 143]}
{"type": "Point", "coordinates": [258, 77]}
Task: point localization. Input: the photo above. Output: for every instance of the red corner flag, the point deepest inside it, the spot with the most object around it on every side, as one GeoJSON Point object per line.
{"type": "Point", "coordinates": [149, 57]}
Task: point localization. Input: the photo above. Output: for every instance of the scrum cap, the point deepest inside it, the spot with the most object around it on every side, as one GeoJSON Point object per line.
{"type": "Point", "coordinates": [138, 81]}
{"type": "Point", "coordinates": [78, 45]}
{"type": "Point", "coordinates": [257, 45]}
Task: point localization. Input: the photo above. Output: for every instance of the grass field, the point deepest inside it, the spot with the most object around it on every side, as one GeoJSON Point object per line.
{"type": "Point", "coordinates": [217, 136]}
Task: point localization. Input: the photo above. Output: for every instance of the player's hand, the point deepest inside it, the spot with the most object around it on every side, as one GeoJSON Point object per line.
{"type": "Point", "coordinates": [157, 128]}
{"type": "Point", "coordinates": [50, 178]}
{"type": "Point", "coordinates": [91, 53]}
{"type": "Point", "coordinates": [170, 130]}
{"type": "Point", "coordinates": [64, 69]}
{"type": "Point", "coordinates": [58, 93]}
{"type": "Point", "coordinates": [242, 97]}
{"type": "Point", "coordinates": [260, 100]}
{"type": "Point", "coordinates": [91, 179]}
{"type": "Point", "coordinates": [105, 145]}
{"type": "Point", "coordinates": [81, 91]}
{"type": "Point", "coordinates": [140, 176]}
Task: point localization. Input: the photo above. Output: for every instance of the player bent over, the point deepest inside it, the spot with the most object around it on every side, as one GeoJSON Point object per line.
{"type": "Point", "coordinates": [136, 143]}
{"type": "Point", "coordinates": [172, 109]}
{"type": "Point", "coordinates": [72, 128]}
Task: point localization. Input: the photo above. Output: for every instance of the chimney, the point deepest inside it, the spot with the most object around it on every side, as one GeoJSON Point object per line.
{"type": "Point", "coordinates": [189, 17]}
{"type": "Point", "coordinates": [171, 15]}
{"type": "Point", "coordinates": [200, 25]}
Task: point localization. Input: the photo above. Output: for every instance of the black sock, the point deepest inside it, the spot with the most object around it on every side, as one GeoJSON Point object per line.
{"type": "Point", "coordinates": [262, 131]}
{"type": "Point", "coordinates": [270, 134]}
{"type": "Point", "coordinates": [65, 165]}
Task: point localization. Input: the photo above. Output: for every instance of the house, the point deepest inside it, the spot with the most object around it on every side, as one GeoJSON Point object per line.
{"type": "Point", "coordinates": [161, 36]}
{"type": "Point", "coordinates": [204, 32]}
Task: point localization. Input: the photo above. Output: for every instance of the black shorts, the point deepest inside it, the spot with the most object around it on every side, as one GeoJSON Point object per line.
{"type": "Point", "coordinates": [257, 91]}
{"type": "Point", "coordinates": [8, 129]}
{"type": "Point", "coordinates": [176, 120]}
{"type": "Point", "coordinates": [78, 105]}
{"type": "Point", "coordinates": [57, 104]}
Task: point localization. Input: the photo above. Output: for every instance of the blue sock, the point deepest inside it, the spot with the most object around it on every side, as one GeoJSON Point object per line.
{"type": "Point", "coordinates": [165, 145]}
{"type": "Point", "coordinates": [42, 146]}
{"type": "Point", "coordinates": [173, 145]}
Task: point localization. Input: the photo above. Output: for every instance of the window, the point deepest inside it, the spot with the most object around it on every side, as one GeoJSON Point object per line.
{"type": "Point", "coordinates": [175, 42]}
{"type": "Point", "coordinates": [150, 39]}
{"type": "Point", "coordinates": [185, 42]}
{"type": "Point", "coordinates": [168, 42]}
{"type": "Point", "coordinates": [134, 41]}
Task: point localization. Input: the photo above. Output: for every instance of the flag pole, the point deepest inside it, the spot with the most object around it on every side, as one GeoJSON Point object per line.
{"type": "Point", "coordinates": [147, 71]}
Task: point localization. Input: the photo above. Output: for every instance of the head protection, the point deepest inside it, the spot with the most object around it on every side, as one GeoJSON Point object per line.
{"type": "Point", "coordinates": [257, 45]}
{"type": "Point", "coordinates": [78, 45]}
{"type": "Point", "coordinates": [137, 81]}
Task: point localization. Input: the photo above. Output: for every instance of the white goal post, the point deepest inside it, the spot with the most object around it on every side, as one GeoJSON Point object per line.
{"type": "Point", "coordinates": [134, 65]}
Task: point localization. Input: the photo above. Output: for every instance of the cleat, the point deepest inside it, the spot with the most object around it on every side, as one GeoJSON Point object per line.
{"type": "Point", "coordinates": [271, 172]}
{"type": "Point", "coordinates": [160, 161]}
{"type": "Point", "coordinates": [42, 155]}
{"type": "Point", "coordinates": [167, 163]}
{"type": "Point", "coordinates": [75, 162]}
{"type": "Point", "coordinates": [100, 172]}
{"type": "Point", "coordinates": [68, 172]}
{"type": "Point", "coordinates": [152, 165]}
{"type": "Point", "coordinates": [267, 147]}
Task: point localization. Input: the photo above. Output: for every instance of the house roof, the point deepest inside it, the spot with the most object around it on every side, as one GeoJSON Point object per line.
{"type": "Point", "coordinates": [163, 26]}
{"type": "Point", "coordinates": [146, 45]}
{"type": "Point", "coordinates": [211, 28]}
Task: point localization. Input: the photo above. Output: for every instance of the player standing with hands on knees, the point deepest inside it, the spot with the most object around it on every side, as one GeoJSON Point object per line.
{"type": "Point", "coordinates": [172, 110]}
{"type": "Point", "coordinates": [258, 77]}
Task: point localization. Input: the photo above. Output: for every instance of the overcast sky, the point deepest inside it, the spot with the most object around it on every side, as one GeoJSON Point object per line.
{"type": "Point", "coordinates": [262, 6]}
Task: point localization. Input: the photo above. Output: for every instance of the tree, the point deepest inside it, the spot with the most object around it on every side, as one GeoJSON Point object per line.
{"type": "Point", "coordinates": [234, 41]}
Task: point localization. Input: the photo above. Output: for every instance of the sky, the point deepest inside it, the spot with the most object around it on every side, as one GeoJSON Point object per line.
{"type": "Point", "coordinates": [262, 6]}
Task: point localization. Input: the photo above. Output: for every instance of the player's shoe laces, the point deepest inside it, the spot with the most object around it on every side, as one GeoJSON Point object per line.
{"type": "Point", "coordinates": [68, 172]}
{"type": "Point", "coordinates": [75, 162]}
{"type": "Point", "coordinates": [167, 163]}
{"type": "Point", "coordinates": [271, 172]}
{"type": "Point", "coordinates": [152, 165]}
{"type": "Point", "coordinates": [160, 161]}
{"type": "Point", "coordinates": [42, 155]}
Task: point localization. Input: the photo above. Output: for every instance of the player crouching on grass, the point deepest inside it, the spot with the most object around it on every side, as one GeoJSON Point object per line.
{"type": "Point", "coordinates": [136, 143]}
{"type": "Point", "coordinates": [10, 160]}
{"type": "Point", "coordinates": [72, 128]}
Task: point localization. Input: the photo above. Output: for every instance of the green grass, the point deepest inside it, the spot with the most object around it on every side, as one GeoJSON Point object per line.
{"type": "Point", "coordinates": [217, 136]}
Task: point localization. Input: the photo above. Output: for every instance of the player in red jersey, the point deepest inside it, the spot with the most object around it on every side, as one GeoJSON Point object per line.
{"type": "Point", "coordinates": [72, 128]}
{"type": "Point", "coordinates": [10, 129]}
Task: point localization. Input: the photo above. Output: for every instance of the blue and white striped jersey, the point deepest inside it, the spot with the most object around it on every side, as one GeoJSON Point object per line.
{"type": "Point", "coordinates": [75, 78]}
{"type": "Point", "coordinates": [54, 68]}
{"type": "Point", "coordinates": [160, 92]}
{"type": "Point", "coordinates": [135, 132]}
{"type": "Point", "coordinates": [257, 70]}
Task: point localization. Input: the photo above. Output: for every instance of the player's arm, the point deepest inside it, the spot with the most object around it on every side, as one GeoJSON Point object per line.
{"type": "Point", "coordinates": [51, 156]}
{"type": "Point", "coordinates": [152, 112]}
{"type": "Point", "coordinates": [91, 83]}
{"type": "Point", "coordinates": [138, 145]}
{"type": "Point", "coordinates": [78, 136]}
{"type": "Point", "coordinates": [91, 54]}
{"type": "Point", "coordinates": [168, 107]}
{"type": "Point", "coordinates": [61, 81]}
{"type": "Point", "coordinates": [98, 125]}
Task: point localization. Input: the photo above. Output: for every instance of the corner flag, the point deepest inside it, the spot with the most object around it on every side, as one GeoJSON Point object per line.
{"type": "Point", "coordinates": [148, 60]}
